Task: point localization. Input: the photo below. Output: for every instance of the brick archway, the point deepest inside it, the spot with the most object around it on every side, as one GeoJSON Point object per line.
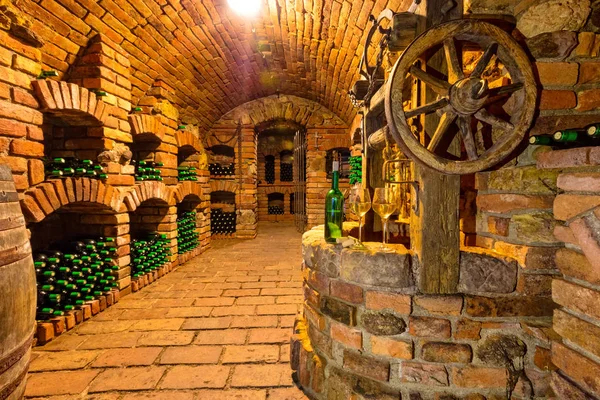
{"type": "Point", "coordinates": [223, 186]}
{"type": "Point", "coordinates": [302, 111]}
{"type": "Point", "coordinates": [147, 191]}
{"type": "Point", "coordinates": [185, 138]}
{"type": "Point", "coordinates": [277, 189]}
{"type": "Point", "coordinates": [47, 197]}
{"type": "Point", "coordinates": [70, 103]}
{"type": "Point", "coordinates": [185, 189]}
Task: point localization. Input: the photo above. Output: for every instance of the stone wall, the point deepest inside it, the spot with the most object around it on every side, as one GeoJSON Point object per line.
{"type": "Point", "coordinates": [531, 208]}
{"type": "Point", "coordinates": [367, 331]}
{"type": "Point", "coordinates": [576, 286]}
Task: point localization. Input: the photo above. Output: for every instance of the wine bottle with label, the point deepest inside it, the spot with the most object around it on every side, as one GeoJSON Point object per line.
{"type": "Point", "coordinates": [334, 207]}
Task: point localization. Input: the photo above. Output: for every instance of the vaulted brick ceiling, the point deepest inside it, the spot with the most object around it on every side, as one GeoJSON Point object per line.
{"type": "Point", "coordinates": [211, 56]}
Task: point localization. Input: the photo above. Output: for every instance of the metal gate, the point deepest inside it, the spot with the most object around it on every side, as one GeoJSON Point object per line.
{"type": "Point", "coordinates": [299, 210]}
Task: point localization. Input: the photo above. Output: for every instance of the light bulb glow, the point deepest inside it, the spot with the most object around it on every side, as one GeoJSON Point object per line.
{"type": "Point", "coordinates": [245, 8]}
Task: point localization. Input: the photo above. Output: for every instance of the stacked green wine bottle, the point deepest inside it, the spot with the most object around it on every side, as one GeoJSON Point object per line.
{"type": "Point", "coordinates": [149, 253]}
{"type": "Point", "coordinates": [355, 169]}
{"type": "Point", "coordinates": [147, 170]}
{"type": "Point", "coordinates": [64, 167]}
{"type": "Point", "coordinates": [81, 272]}
{"type": "Point", "coordinates": [186, 174]}
{"type": "Point", "coordinates": [218, 169]}
{"type": "Point", "coordinates": [187, 236]}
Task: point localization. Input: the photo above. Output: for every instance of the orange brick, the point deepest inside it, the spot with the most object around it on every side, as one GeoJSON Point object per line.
{"type": "Point", "coordinates": [501, 203]}
{"type": "Point", "coordinates": [381, 300]}
{"type": "Point", "coordinates": [557, 100]}
{"type": "Point", "coordinates": [440, 305]}
{"type": "Point", "coordinates": [446, 352]}
{"type": "Point", "coordinates": [9, 127]}
{"type": "Point", "coordinates": [557, 73]}
{"type": "Point", "coordinates": [588, 100]}
{"type": "Point", "coordinates": [392, 347]}
{"type": "Point", "coordinates": [582, 370]}
{"type": "Point", "coordinates": [429, 327]}
{"type": "Point", "coordinates": [343, 334]}
{"type": "Point", "coordinates": [479, 377]}
{"type": "Point", "coordinates": [346, 291]}
{"type": "Point", "coordinates": [26, 148]}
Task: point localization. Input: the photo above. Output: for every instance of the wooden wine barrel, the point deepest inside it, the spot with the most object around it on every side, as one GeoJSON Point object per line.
{"type": "Point", "coordinates": [17, 292]}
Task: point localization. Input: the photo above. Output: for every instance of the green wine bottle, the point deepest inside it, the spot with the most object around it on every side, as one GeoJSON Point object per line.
{"type": "Point", "coordinates": [544, 140]}
{"type": "Point", "coordinates": [593, 131]}
{"type": "Point", "coordinates": [334, 208]}
{"type": "Point", "coordinates": [575, 137]}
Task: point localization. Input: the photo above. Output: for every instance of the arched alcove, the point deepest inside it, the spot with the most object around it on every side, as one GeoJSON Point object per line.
{"type": "Point", "coordinates": [223, 212]}
{"type": "Point", "coordinates": [221, 160]}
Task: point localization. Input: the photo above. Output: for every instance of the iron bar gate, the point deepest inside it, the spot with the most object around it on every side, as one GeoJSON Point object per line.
{"type": "Point", "coordinates": [300, 216]}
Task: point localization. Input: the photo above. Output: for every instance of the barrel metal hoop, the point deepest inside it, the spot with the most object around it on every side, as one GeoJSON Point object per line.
{"type": "Point", "coordinates": [8, 197]}
{"type": "Point", "coordinates": [12, 386]}
{"type": "Point", "coordinates": [15, 253]}
{"type": "Point", "coordinates": [12, 222]}
{"type": "Point", "coordinates": [11, 358]}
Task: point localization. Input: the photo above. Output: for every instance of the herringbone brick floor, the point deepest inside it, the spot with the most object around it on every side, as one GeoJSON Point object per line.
{"type": "Point", "coordinates": [216, 328]}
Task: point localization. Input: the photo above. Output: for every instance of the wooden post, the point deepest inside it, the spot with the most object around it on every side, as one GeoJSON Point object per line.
{"type": "Point", "coordinates": [435, 227]}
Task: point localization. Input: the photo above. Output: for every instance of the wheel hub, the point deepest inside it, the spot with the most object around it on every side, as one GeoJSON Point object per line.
{"type": "Point", "coordinates": [468, 95]}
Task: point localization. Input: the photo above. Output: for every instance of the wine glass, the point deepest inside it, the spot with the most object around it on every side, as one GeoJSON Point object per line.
{"type": "Point", "coordinates": [360, 203]}
{"type": "Point", "coordinates": [384, 204]}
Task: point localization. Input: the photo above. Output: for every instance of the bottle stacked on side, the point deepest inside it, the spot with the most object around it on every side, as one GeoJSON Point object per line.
{"type": "Point", "coordinates": [277, 210]}
{"type": "Point", "coordinates": [81, 272]}
{"type": "Point", "coordinates": [222, 222]}
{"type": "Point", "coordinates": [147, 170]}
{"type": "Point", "coordinates": [187, 236]}
{"type": "Point", "coordinates": [187, 174]}
{"type": "Point", "coordinates": [569, 138]}
{"type": "Point", "coordinates": [64, 167]}
{"type": "Point", "coordinates": [149, 253]}
{"type": "Point", "coordinates": [218, 169]}
{"type": "Point", "coordinates": [287, 172]}
{"type": "Point", "coordinates": [270, 172]}
{"type": "Point", "coordinates": [355, 169]}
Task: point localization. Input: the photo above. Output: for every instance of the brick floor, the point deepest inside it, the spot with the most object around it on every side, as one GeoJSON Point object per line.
{"type": "Point", "coordinates": [216, 328]}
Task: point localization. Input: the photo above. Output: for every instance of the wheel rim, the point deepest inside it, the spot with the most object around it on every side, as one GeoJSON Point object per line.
{"type": "Point", "coordinates": [460, 97]}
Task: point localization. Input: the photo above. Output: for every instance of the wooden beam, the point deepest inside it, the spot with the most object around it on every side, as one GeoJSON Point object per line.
{"type": "Point", "coordinates": [435, 227]}
{"type": "Point", "coordinates": [376, 106]}
{"type": "Point", "coordinates": [377, 139]}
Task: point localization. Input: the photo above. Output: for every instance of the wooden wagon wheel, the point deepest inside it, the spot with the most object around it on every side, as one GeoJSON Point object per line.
{"type": "Point", "coordinates": [464, 101]}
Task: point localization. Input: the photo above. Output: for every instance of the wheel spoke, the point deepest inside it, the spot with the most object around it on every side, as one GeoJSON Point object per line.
{"type": "Point", "coordinates": [445, 121]}
{"type": "Point", "coordinates": [464, 123]}
{"type": "Point", "coordinates": [504, 90]}
{"type": "Point", "coordinates": [439, 86]}
{"type": "Point", "coordinates": [455, 71]}
{"type": "Point", "coordinates": [485, 60]}
{"type": "Point", "coordinates": [427, 108]}
{"type": "Point", "coordinates": [485, 116]}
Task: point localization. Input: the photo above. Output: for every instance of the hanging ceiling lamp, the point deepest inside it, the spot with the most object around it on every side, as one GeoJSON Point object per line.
{"type": "Point", "coordinates": [245, 8]}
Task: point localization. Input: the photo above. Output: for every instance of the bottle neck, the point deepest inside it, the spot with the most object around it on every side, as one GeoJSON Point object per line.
{"type": "Point", "coordinates": [335, 179]}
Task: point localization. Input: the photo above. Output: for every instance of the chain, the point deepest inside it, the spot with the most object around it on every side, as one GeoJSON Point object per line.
{"type": "Point", "coordinates": [383, 43]}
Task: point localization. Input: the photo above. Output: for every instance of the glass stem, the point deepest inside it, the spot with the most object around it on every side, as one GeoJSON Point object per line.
{"type": "Point", "coordinates": [384, 222]}
{"type": "Point", "coordinates": [360, 224]}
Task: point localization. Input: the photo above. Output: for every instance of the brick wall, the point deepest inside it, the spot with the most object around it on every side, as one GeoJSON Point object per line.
{"type": "Point", "coordinates": [292, 111]}
{"type": "Point", "coordinates": [576, 286]}
{"type": "Point", "coordinates": [64, 117]}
